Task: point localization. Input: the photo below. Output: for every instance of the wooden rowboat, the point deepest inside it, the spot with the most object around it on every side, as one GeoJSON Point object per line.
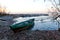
{"type": "Point", "coordinates": [22, 25]}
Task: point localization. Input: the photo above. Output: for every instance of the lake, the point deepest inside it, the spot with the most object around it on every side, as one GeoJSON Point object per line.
{"type": "Point", "coordinates": [41, 22]}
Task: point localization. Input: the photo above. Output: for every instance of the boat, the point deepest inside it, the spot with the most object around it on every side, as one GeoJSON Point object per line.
{"type": "Point", "coordinates": [22, 25]}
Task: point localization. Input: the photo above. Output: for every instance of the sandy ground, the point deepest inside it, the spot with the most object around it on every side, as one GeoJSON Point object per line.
{"type": "Point", "coordinates": [7, 34]}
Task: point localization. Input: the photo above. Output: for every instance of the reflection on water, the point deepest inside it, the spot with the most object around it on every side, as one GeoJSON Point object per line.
{"type": "Point", "coordinates": [46, 24]}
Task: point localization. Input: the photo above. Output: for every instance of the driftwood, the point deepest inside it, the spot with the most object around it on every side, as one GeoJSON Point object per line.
{"type": "Point", "coordinates": [2, 20]}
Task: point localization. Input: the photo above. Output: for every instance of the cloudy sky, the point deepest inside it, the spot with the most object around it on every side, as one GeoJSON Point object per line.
{"type": "Point", "coordinates": [26, 6]}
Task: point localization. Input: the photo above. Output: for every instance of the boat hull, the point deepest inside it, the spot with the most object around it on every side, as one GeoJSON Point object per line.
{"type": "Point", "coordinates": [23, 25]}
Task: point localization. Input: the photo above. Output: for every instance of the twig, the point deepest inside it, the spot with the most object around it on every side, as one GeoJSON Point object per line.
{"type": "Point", "coordinates": [2, 19]}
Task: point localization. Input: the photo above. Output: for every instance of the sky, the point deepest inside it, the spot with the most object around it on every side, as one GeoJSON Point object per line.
{"type": "Point", "coordinates": [26, 6]}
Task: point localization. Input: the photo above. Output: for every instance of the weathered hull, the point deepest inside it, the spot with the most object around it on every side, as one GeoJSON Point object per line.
{"type": "Point", "coordinates": [24, 28]}
{"type": "Point", "coordinates": [23, 25]}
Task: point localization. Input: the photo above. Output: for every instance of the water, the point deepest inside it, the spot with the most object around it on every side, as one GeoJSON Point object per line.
{"type": "Point", "coordinates": [49, 25]}
{"type": "Point", "coordinates": [41, 23]}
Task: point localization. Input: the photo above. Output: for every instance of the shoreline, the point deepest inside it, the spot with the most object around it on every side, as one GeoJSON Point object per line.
{"type": "Point", "coordinates": [7, 34]}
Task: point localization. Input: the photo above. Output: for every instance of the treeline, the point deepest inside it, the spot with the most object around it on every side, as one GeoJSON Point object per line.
{"type": "Point", "coordinates": [26, 15]}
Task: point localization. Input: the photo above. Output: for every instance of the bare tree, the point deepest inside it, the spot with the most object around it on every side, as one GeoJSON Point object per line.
{"type": "Point", "coordinates": [54, 7]}
{"type": "Point", "coordinates": [2, 10]}
{"type": "Point", "coordinates": [57, 8]}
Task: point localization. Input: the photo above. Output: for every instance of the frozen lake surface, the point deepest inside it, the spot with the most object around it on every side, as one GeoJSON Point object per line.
{"type": "Point", "coordinates": [41, 23]}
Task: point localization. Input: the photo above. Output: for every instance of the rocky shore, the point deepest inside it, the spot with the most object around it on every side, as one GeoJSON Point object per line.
{"type": "Point", "coordinates": [7, 34]}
